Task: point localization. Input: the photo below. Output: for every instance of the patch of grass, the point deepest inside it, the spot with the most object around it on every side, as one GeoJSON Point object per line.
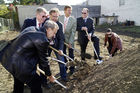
{"type": "Point", "coordinates": [135, 29]}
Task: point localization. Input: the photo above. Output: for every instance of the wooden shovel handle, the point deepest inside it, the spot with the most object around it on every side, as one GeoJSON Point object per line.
{"type": "Point", "coordinates": [66, 44]}
{"type": "Point", "coordinates": [53, 49]}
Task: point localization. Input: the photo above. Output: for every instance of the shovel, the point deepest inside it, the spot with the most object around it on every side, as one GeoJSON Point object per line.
{"type": "Point", "coordinates": [63, 54]}
{"type": "Point", "coordinates": [56, 81]}
{"type": "Point", "coordinates": [50, 58]}
{"type": "Point", "coordinates": [73, 48]}
{"type": "Point", "coordinates": [98, 61]}
{"type": "Point", "coordinates": [67, 64]}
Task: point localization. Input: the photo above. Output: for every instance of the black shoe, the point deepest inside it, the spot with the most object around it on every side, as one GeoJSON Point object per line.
{"type": "Point", "coordinates": [71, 72]}
{"type": "Point", "coordinates": [83, 59]}
{"type": "Point", "coordinates": [46, 86]}
{"type": "Point", "coordinates": [100, 58]}
{"type": "Point", "coordinates": [95, 57]}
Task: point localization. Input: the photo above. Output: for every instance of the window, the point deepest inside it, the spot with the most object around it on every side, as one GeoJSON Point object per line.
{"type": "Point", "coordinates": [121, 2]}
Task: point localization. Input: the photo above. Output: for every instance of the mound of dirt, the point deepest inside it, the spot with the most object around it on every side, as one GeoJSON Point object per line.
{"type": "Point", "coordinates": [120, 74]}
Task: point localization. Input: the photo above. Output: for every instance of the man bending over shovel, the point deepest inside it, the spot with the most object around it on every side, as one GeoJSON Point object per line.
{"type": "Point", "coordinates": [21, 57]}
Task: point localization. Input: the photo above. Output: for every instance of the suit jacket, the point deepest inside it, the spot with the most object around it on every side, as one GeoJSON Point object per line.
{"type": "Point", "coordinates": [28, 23]}
{"type": "Point", "coordinates": [81, 23]}
{"type": "Point", "coordinates": [59, 39]}
{"type": "Point", "coordinates": [70, 29]}
{"type": "Point", "coordinates": [115, 41]}
{"type": "Point", "coordinates": [24, 53]}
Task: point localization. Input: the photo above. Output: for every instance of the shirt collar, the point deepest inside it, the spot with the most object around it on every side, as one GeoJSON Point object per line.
{"type": "Point", "coordinates": [67, 17]}
{"type": "Point", "coordinates": [86, 18]}
{"type": "Point", "coordinates": [37, 26]}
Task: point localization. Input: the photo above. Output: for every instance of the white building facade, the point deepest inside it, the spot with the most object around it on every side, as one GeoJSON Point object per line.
{"type": "Point", "coordinates": [124, 9]}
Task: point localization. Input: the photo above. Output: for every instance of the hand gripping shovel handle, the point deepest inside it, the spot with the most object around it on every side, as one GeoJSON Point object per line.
{"type": "Point", "coordinates": [63, 54]}
{"type": "Point", "coordinates": [56, 81]}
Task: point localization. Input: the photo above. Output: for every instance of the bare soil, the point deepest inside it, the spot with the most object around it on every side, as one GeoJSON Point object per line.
{"type": "Point", "coordinates": [120, 74]}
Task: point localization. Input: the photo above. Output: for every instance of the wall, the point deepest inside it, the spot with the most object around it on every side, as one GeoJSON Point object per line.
{"type": "Point", "coordinates": [94, 2]}
{"type": "Point", "coordinates": [29, 11]}
{"type": "Point", "coordinates": [128, 11]}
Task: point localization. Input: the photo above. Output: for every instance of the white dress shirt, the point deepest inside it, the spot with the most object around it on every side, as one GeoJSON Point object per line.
{"type": "Point", "coordinates": [37, 24]}
{"type": "Point", "coordinates": [66, 19]}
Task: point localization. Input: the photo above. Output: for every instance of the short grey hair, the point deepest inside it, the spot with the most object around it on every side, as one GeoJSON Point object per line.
{"type": "Point", "coordinates": [40, 10]}
{"type": "Point", "coordinates": [85, 9]}
{"type": "Point", "coordinates": [51, 24]}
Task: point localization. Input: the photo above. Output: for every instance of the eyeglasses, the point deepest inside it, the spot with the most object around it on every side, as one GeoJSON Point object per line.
{"type": "Point", "coordinates": [55, 16]}
{"type": "Point", "coordinates": [84, 13]}
{"type": "Point", "coordinates": [44, 16]}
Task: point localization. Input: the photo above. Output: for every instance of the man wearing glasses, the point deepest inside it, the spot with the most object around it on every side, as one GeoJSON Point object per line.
{"type": "Point", "coordinates": [84, 24]}
{"type": "Point", "coordinates": [58, 42]}
{"type": "Point", "coordinates": [41, 15]}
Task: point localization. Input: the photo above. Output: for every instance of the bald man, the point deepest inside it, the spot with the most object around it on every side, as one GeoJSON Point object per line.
{"type": "Point", "coordinates": [85, 23]}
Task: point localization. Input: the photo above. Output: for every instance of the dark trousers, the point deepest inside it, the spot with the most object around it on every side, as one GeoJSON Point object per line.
{"type": "Point", "coordinates": [109, 48]}
{"type": "Point", "coordinates": [84, 43]}
{"type": "Point", "coordinates": [71, 55]}
{"type": "Point", "coordinates": [62, 67]}
{"type": "Point", "coordinates": [34, 84]}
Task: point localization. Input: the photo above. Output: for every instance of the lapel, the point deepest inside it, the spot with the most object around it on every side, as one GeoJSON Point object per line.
{"type": "Point", "coordinates": [62, 19]}
{"type": "Point", "coordinates": [34, 22]}
{"type": "Point", "coordinates": [69, 22]}
{"type": "Point", "coordinates": [86, 21]}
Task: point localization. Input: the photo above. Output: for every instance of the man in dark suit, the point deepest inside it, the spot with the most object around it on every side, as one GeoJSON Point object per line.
{"type": "Point", "coordinates": [58, 42]}
{"type": "Point", "coordinates": [41, 15]}
{"type": "Point", "coordinates": [84, 24]}
{"type": "Point", "coordinates": [21, 57]}
{"type": "Point", "coordinates": [38, 21]}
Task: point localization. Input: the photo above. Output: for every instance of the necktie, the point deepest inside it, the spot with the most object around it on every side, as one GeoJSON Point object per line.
{"type": "Point", "coordinates": [39, 25]}
{"type": "Point", "coordinates": [65, 24]}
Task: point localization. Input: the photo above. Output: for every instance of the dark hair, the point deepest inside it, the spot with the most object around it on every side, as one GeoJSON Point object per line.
{"type": "Point", "coordinates": [109, 30]}
{"type": "Point", "coordinates": [67, 6]}
{"type": "Point", "coordinates": [54, 10]}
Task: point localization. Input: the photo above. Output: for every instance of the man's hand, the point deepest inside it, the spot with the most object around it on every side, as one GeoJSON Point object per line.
{"type": "Point", "coordinates": [52, 78]}
{"type": "Point", "coordinates": [60, 52]}
{"type": "Point", "coordinates": [70, 45]}
{"type": "Point", "coordinates": [84, 28]}
{"type": "Point", "coordinates": [89, 37]}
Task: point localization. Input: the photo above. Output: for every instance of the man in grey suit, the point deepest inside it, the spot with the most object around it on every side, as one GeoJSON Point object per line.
{"type": "Point", "coordinates": [69, 31]}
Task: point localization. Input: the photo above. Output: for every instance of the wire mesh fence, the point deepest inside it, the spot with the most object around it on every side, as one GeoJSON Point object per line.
{"type": "Point", "coordinates": [6, 24]}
